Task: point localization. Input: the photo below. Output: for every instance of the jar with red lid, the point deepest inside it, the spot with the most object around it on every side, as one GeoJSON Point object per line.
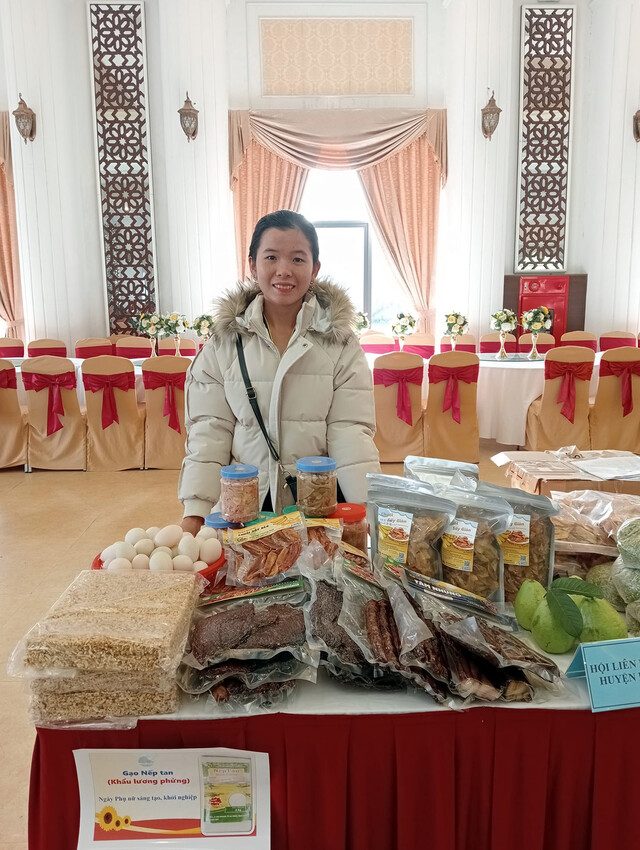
{"type": "Point", "coordinates": [354, 524]}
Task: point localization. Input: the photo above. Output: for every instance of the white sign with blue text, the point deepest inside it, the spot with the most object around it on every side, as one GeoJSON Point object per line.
{"type": "Point", "coordinates": [612, 670]}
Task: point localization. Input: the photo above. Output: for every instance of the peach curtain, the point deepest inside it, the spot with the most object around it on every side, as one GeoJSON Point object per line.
{"type": "Point", "coordinates": [10, 293]}
{"type": "Point", "coordinates": [264, 182]}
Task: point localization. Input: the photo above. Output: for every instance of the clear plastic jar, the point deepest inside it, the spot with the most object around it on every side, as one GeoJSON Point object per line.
{"type": "Point", "coordinates": [239, 492]}
{"type": "Point", "coordinates": [317, 486]}
{"type": "Point", "coordinates": [216, 522]}
{"type": "Point", "coordinates": [354, 524]}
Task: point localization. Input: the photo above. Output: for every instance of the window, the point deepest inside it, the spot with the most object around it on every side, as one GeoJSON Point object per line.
{"type": "Point", "coordinates": [350, 251]}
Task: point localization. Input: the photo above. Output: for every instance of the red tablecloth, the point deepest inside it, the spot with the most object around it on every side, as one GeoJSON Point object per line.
{"type": "Point", "coordinates": [484, 779]}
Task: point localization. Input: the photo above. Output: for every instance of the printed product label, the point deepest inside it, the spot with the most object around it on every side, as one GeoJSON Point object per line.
{"type": "Point", "coordinates": [227, 791]}
{"type": "Point", "coordinates": [457, 545]}
{"type": "Point", "coordinates": [515, 541]}
{"type": "Point", "coordinates": [262, 529]}
{"type": "Point", "coordinates": [394, 528]}
{"type": "Point", "coordinates": [319, 522]}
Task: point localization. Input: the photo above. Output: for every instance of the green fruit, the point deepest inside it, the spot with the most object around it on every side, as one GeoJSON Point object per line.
{"type": "Point", "coordinates": [601, 621]}
{"type": "Point", "coordinates": [547, 633]}
{"type": "Point", "coordinates": [601, 576]}
{"type": "Point", "coordinates": [530, 595]}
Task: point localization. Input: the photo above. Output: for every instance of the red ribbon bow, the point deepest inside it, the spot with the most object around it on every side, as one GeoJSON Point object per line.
{"type": "Point", "coordinates": [55, 384]}
{"type": "Point", "coordinates": [401, 377]}
{"type": "Point", "coordinates": [8, 379]}
{"type": "Point", "coordinates": [623, 370]}
{"type": "Point", "coordinates": [171, 383]}
{"type": "Point", "coordinates": [452, 375]}
{"type": "Point", "coordinates": [121, 381]}
{"type": "Point", "coordinates": [569, 372]}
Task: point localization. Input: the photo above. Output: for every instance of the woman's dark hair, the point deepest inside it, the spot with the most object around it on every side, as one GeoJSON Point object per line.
{"type": "Point", "coordinates": [285, 220]}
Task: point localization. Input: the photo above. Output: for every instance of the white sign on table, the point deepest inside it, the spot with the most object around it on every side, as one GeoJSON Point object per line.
{"type": "Point", "coordinates": [216, 798]}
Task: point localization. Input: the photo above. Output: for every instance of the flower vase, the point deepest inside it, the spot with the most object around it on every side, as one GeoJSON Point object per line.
{"type": "Point", "coordinates": [453, 342]}
{"type": "Point", "coordinates": [502, 354]}
{"type": "Point", "coordinates": [534, 354]}
{"type": "Point", "coordinates": [400, 342]}
{"type": "Point", "coordinates": [154, 341]}
{"type": "Point", "coordinates": [177, 342]}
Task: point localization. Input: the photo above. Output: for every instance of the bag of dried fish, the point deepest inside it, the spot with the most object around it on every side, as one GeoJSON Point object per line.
{"type": "Point", "coordinates": [469, 548]}
{"type": "Point", "coordinates": [265, 553]}
{"type": "Point", "coordinates": [406, 522]}
{"type": "Point", "coordinates": [528, 544]}
{"type": "Point", "coordinates": [437, 471]}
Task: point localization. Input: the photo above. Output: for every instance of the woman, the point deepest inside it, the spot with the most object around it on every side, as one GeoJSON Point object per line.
{"type": "Point", "coordinates": [312, 382]}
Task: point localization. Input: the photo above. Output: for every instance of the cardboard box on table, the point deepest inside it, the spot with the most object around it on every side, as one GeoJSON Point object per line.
{"type": "Point", "coordinates": [540, 472]}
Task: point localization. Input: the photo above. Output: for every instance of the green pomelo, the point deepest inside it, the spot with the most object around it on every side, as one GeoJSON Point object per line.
{"type": "Point", "coordinates": [547, 633]}
{"type": "Point", "coordinates": [530, 595]}
{"type": "Point", "coordinates": [601, 621]}
{"type": "Point", "coordinates": [601, 576]}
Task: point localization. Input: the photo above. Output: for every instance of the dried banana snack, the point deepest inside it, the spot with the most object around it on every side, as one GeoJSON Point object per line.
{"type": "Point", "coordinates": [484, 578]}
{"type": "Point", "coordinates": [540, 551]}
{"type": "Point", "coordinates": [422, 556]}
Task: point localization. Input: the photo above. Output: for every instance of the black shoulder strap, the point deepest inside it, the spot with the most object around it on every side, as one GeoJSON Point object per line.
{"type": "Point", "coordinates": [251, 394]}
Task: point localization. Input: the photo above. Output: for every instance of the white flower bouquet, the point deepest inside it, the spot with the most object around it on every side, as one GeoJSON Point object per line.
{"type": "Point", "coordinates": [536, 320]}
{"type": "Point", "coordinates": [173, 324]}
{"type": "Point", "coordinates": [148, 324]}
{"type": "Point", "coordinates": [404, 325]}
{"type": "Point", "coordinates": [362, 322]}
{"type": "Point", "coordinates": [203, 325]}
{"type": "Point", "coordinates": [504, 321]}
{"type": "Point", "coordinates": [457, 324]}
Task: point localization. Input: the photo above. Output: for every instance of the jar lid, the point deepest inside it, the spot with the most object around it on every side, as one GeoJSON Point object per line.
{"type": "Point", "coordinates": [350, 512]}
{"type": "Point", "coordinates": [239, 470]}
{"type": "Point", "coordinates": [216, 520]}
{"type": "Point", "coordinates": [316, 464]}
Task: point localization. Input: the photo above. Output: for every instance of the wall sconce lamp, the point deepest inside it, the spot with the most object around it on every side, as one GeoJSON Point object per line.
{"type": "Point", "coordinates": [189, 119]}
{"type": "Point", "coordinates": [636, 126]}
{"type": "Point", "coordinates": [490, 117]}
{"type": "Point", "coordinates": [25, 120]}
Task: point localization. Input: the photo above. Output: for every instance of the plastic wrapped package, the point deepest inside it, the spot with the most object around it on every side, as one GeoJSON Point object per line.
{"type": "Point", "coordinates": [604, 511]}
{"type": "Point", "coordinates": [317, 481]}
{"type": "Point", "coordinates": [406, 522]}
{"type": "Point", "coordinates": [108, 621]}
{"type": "Point", "coordinates": [265, 553]}
{"type": "Point", "coordinates": [326, 533]}
{"type": "Point", "coordinates": [626, 578]}
{"type": "Point", "coordinates": [577, 563]}
{"type": "Point", "coordinates": [239, 492]}
{"type": "Point", "coordinates": [233, 696]}
{"type": "Point", "coordinates": [437, 471]}
{"type": "Point", "coordinates": [628, 540]}
{"type": "Point", "coordinates": [632, 616]}
{"type": "Point", "coordinates": [251, 672]}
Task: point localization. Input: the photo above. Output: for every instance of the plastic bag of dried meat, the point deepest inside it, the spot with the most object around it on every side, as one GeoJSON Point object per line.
{"type": "Point", "coordinates": [251, 672]}
{"type": "Point", "coordinates": [406, 522]}
{"type": "Point", "coordinates": [437, 471]}
{"type": "Point", "coordinates": [469, 547]}
{"type": "Point", "coordinates": [326, 534]}
{"type": "Point", "coordinates": [233, 696]}
{"type": "Point", "coordinates": [528, 544]}
{"type": "Point", "coordinates": [265, 553]}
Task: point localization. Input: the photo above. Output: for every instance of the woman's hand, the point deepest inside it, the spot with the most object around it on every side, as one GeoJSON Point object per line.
{"type": "Point", "coordinates": [192, 524]}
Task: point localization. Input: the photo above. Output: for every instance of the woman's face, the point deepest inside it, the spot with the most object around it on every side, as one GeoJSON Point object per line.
{"type": "Point", "coordinates": [283, 267]}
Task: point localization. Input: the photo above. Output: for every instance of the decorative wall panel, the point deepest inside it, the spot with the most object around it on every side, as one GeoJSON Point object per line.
{"type": "Point", "coordinates": [336, 56]}
{"type": "Point", "coordinates": [545, 137]}
{"type": "Point", "coordinates": [124, 174]}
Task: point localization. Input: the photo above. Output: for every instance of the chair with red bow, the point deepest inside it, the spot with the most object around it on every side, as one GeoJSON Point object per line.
{"type": "Point", "coordinates": [57, 427]}
{"type": "Point", "coordinates": [617, 339]}
{"type": "Point", "coordinates": [561, 416]}
{"type": "Point", "coordinates": [375, 343]}
{"type": "Point", "coordinates": [585, 339]}
{"type": "Point", "coordinates": [115, 424]}
{"type": "Point", "coordinates": [46, 348]}
{"type": "Point", "coordinates": [164, 437]}
{"type": "Point", "coordinates": [545, 343]}
{"type": "Point", "coordinates": [92, 347]}
{"type": "Point", "coordinates": [451, 417]}
{"type": "Point", "coordinates": [465, 343]}
{"type": "Point", "coordinates": [133, 347]}
{"type": "Point", "coordinates": [10, 347]}
{"type": "Point", "coordinates": [397, 390]}
{"type": "Point", "coordinates": [421, 344]}
{"type": "Point", "coordinates": [615, 414]}
{"type": "Point", "coordinates": [13, 421]}
{"type": "Point", "coordinates": [167, 346]}
{"type": "Point", "coordinates": [490, 343]}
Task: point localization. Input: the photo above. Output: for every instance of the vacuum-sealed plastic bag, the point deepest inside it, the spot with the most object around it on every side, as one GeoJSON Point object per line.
{"type": "Point", "coordinates": [265, 553]}
{"type": "Point", "coordinates": [437, 471]}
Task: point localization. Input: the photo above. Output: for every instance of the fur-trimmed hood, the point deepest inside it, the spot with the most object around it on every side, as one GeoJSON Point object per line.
{"type": "Point", "coordinates": [327, 310]}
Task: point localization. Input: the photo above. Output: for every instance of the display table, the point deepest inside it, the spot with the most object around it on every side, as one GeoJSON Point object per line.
{"type": "Point", "coordinates": [357, 771]}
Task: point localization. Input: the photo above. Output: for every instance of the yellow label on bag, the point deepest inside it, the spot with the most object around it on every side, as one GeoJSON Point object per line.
{"type": "Point", "coordinates": [457, 545]}
{"type": "Point", "coordinates": [394, 528]}
{"type": "Point", "coordinates": [264, 529]}
{"type": "Point", "coordinates": [515, 541]}
{"type": "Point", "coordinates": [322, 523]}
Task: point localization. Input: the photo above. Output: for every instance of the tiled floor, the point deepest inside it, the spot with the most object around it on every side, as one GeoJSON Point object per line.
{"type": "Point", "coordinates": [51, 526]}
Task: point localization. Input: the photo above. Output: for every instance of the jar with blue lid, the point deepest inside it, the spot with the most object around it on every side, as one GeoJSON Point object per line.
{"type": "Point", "coordinates": [216, 522]}
{"type": "Point", "coordinates": [317, 480]}
{"type": "Point", "coordinates": [239, 492]}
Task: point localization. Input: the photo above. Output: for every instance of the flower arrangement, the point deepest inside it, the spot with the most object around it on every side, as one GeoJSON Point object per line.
{"type": "Point", "coordinates": [362, 322]}
{"type": "Point", "coordinates": [457, 324]}
{"type": "Point", "coordinates": [148, 324]}
{"type": "Point", "coordinates": [203, 325]}
{"type": "Point", "coordinates": [504, 321]}
{"type": "Point", "coordinates": [536, 320]}
{"type": "Point", "coordinates": [173, 324]}
{"type": "Point", "coordinates": [404, 325]}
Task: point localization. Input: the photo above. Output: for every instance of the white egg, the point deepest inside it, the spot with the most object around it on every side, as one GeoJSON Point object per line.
{"type": "Point", "coordinates": [151, 532]}
{"type": "Point", "coordinates": [170, 535]}
{"type": "Point", "coordinates": [162, 549]}
{"type": "Point", "coordinates": [183, 563]}
{"type": "Point", "coordinates": [134, 534]}
{"type": "Point", "coordinates": [140, 562]}
{"type": "Point", "coordinates": [124, 550]}
{"type": "Point", "coordinates": [119, 565]}
{"type": "Point", "coordinates": [189, 546]}
{"type": "Point", "coordinates": [174, 551]}
{"type": "Point", "coordinates": [107, 555]}
{"type": "Point", "coordinates": [200, 565]}
{"type": "Point", "coordinates": [144, 546]}
{"type": "Point", "coordinates": [206, 533]}
{"type": "Point", "coordinates": [210, 550]}
{"type": "Point", "coordinates": [186, 534]}
{"type": "Point", "coordinates": [161, 562]}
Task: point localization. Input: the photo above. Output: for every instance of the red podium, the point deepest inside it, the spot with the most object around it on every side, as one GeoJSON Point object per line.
{"type": "Point", "coordinates": [564, 295]}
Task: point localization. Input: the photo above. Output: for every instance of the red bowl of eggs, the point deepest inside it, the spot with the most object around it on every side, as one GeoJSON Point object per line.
{"type": "Point", "coordinates": [209, 573]}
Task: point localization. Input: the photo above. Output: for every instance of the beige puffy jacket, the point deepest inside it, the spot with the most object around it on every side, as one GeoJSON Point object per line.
{"type": "Point", "coordinates": [315, 399]}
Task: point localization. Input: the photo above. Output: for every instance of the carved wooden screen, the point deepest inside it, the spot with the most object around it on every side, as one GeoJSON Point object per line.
{"type": "Point", "coordinates": [124, 168]}
{"type": "Point", "coordinates": [545, 137]}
